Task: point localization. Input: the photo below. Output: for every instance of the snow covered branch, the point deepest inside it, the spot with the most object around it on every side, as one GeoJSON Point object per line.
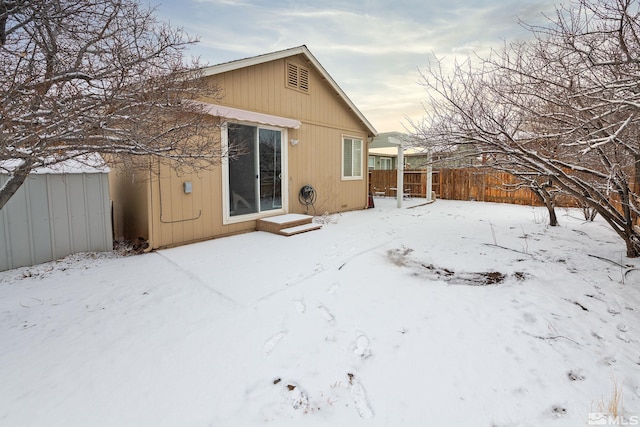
{"type": "Point", "coordinates": [565, 106]}
{"type": "Point", "coordinates": [82, 76]}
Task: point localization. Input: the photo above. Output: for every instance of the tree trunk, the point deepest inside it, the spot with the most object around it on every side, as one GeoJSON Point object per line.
{"type": "Point", "coordinates": [548, 202]}
{"type": "Point", "coordinates": [547, 199]}
{"type": "Point", "coordinates": [632, 240]}
{"type": "Point", "coordinates": [15, 181]}
{"type": "Point", "coordinates": [624, 229]}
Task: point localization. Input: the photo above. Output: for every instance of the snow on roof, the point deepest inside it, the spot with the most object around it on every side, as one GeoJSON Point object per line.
{"type": "Point", "coordinates": [87, 163]}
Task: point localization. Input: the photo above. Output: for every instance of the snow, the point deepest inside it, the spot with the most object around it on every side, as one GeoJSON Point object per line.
{"type": "Point", "coordinates": [451, 313]}
{"type": "Point", "coordinates": [86, 163]}
{"type": "Point", "coordinates": [283, 219]}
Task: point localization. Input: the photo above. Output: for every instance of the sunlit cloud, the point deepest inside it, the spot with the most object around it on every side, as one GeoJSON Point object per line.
{"type": "Point", "coordinates": [374, 49]}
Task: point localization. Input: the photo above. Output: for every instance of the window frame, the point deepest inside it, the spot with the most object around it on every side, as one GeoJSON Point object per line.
{"type": "Point", "coordinates": [351, 139]}
{"type": "Point", "coordinates": [386, 161]}
{"type": "Point", "coordinates": [227, 218]}
{"type": "Point", "coordinates": [371, 162]}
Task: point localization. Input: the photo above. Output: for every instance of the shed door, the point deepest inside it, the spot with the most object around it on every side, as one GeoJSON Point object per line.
{"type": "Point", "coordinates": [255, 177]}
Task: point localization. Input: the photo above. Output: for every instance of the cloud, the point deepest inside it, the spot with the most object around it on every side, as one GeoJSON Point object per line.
{"type": "Point", "coordinates": [372, 48]}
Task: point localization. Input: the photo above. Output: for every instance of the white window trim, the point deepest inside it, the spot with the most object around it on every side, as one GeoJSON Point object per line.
{"type": "Point", "coordinates": [226, 209]}
{"type": "Point", "coordinates": [362, 152]}
{"type": "Point", "coordinates": [384, 159]}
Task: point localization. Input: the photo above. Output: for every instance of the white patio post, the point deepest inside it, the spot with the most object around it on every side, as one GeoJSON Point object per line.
{"type": "Point", "coordinates": [400, 183]}
{"type": "Point", "coordinates": [429, 177]}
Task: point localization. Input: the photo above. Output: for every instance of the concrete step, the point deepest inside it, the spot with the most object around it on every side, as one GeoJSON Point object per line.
{"type": "Point", "coordinates": [292, 223]}
{"type": "Point", "coordinates": [299, 229]}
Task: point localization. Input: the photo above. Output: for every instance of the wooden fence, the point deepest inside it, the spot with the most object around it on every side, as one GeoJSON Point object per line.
{"type": "Point", "coordinates": [459, 184]}
{"type": "Point", "coordinates": [385, 181]}
{"type": "Point", "coordinates": [482, 185]}
{"type": "Point", "coordinates": [454, 184]}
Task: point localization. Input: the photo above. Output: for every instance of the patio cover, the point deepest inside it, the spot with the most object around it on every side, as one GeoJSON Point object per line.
{"type": "Point", "coordinates": [396, 140]}
{"type": "Point", "coordinates": [251, 116]}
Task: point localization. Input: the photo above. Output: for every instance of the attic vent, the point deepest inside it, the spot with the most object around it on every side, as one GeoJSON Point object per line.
{"type": "Point", "coordinates": [303, 82]}
{"type": "Point", "coordinates": [297, 77]}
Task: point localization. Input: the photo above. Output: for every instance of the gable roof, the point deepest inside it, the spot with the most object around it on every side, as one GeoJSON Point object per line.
{"type": "Point", "coordinates": [300, 50]}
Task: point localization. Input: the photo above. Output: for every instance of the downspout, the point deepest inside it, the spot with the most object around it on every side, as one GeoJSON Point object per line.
{"type": "Point", "coordinates": [149, 248]}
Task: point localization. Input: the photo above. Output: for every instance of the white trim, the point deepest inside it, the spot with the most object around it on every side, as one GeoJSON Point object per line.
{"type": "Point", "coordinates": [250, 116]}
{"type": "Point", "coordinates": [227, 219]}
{"type": "Point", "coordinates": [362, 149]}
{"type": "Point", "coordinates": [390, 160]}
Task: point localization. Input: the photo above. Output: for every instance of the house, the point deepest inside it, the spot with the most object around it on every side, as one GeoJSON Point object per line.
{"type": "Point", "coordinates": [307, 151]}
{"type": "Point", "coordinates": [58, 211]}
{"type": "Point", "coordinates": [388, 152]}
{"type": "Point", "coordinates": [383, 152]}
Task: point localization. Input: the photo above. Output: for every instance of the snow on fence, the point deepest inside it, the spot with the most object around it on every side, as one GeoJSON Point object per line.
{"type": "Point", "coordinates": [54, 214]}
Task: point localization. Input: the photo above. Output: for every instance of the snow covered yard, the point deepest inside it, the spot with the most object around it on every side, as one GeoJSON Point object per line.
{"type": "Point", "coordinates": [453, 313]}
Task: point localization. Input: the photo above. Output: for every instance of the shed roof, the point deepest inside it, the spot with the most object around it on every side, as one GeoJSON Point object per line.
{"type": "Point", "coordinates": [86, 163]}
{"type": "Point", "coordinates": [300, 50]}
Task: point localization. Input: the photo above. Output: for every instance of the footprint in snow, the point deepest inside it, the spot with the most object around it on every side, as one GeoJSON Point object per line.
{"type": "Point", "coordinates": [333, 288]}
{"type": "Point", "coordinates": [326, 314]}
{"type": "Point", "coordinates": [359, 396]}
{"type": "Point", "coordinates": [558, 411]}
{"type": "Point", "coordinates": [608, 361]}
{"type": "Point", "coordinates": [576, 375]}
{"type": "Point", "coordinates": [272, 342]}
{"type": "Point", "coordinates": [300, 306]}
{"type": "Point", "coordinates": [362, 347]}
{"type": "Point", "coordinates": [623, 337]}
{"type": "Point", "coordinates": [622, 327]}
{"type": "Point", "coordinates": [298, 398]}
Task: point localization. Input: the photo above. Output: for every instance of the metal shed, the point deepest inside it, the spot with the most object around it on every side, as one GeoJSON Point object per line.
{"type": "Point", "coordinates": [58, 211]}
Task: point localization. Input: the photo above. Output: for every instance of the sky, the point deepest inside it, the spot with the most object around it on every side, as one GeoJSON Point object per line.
{"type": "Point", "coordinates": [373, 49]}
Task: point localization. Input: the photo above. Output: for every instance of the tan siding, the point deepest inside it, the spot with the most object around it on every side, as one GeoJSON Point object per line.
{"type": "Point", "coordinates": [325, 118]}
{"type": "Point", "coordinates": [262, 88]}
{"type": "Point", "coordinates": [181, 218]}
{"type": "Point", "coordinates": [315, 160]}
{"type": "Point", "coordinates": [323, 146]}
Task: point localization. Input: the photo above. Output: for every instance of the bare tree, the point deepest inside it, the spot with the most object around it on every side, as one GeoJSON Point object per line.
{"type": "Point", "coordinates": [564, 106]}
{"type": "Point", "coordinates": [97, 76]}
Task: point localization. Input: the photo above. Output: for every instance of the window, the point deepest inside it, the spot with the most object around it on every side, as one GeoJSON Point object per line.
{"type": "Point", "coordinates": [297, 77]}
{"type": "Point", "coordinates": [385, 163]}
{"type": "Point", "coordinates": [351, 158]}
{"type": "Point", "coordinates": [372, 162]}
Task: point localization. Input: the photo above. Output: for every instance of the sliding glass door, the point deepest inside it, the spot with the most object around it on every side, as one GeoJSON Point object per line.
{"type": "Point", "coordinates": [255, 177]}
{"type": "Point", "coordinates": [270, 149]}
